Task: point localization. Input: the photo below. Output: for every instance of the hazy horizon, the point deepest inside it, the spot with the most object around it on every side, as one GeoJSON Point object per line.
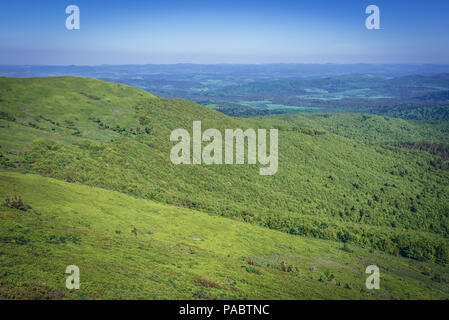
{"type": "Point", "coordinates": [223, 64]}
{"type": "Point", "coordinates": [204, 32]}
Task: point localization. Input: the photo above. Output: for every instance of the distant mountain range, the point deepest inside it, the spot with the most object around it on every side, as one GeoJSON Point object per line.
{"type": "Point", "coordinates": [407, 91]}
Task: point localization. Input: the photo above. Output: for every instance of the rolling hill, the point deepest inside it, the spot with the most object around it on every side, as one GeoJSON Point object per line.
{"type": "Point", "coordinates": [72, 224]}
{"type": "Point", "coordinates": [102, 138]}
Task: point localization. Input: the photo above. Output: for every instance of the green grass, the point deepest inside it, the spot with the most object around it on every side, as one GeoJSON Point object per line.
{"type": "Point", "coordinates": [91, 228]}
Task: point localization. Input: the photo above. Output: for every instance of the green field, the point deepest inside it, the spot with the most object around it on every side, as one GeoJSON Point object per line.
{"type": "Point", "coordinates": [335, 188]}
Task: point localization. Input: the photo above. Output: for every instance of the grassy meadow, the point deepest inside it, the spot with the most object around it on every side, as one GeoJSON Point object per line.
{"type": "Point", "coordinates": [90, 227]}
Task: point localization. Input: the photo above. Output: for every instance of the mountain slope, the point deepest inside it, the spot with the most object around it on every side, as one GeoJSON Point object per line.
{"type": "Point", "coordinates": [327, 186]}
{"type": "Point", "coordinates": [366, 127]}
{"type": "Point", "coordinates": [72, 224]}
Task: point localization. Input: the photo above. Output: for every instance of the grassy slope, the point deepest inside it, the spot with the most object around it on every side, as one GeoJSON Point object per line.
{"type": "Point", "coordinates": [327, 186]}
{"type": "Point", "coordinates": [91, 228]}
{"type": "Point", "coordinates": [367, 127]}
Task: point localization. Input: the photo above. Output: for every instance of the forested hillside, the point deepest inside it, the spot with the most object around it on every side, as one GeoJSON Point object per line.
{"type": "Point", "coordinates": [367, 127]}
{"type": "Point", "coordinates": [129, 248]}
{"type": "Point", "coordinates": [328, 186]}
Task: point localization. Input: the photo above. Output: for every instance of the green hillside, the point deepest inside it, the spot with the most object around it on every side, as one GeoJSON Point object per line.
{"type": "Point", "coordinates": [331, 187]}
{"type": "Point", "coordinates": [72, 224]}
{"type": "Point", "coordinates": [367, 127]}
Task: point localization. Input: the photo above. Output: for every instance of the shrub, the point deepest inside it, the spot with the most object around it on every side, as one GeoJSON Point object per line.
{"type": "Point", "coordinates": [16, 202]}
{"type": "Point", "coordinates": [288, 268]}
{"type": "Point", "coordinates": [69, 180]}
{"type": "Point", "coordinates": [251, 269]}
{"type": "Point", "coordinates": [346, 247]}
{"type": "Point", "coordinates": [7, 116]}
{"type": "Point", "coordinates": [16, 240]}
{"type": "Point", "coordinates": [425, 270]}
{"type": "Point", "coordinates": [436, 278]}
{"type": "Point", "coordinates": [327, 276]}
{"type": "Point", "coordinates": [206, 283]}
{"type": "Point", "coordinates": [251, 262]}
{"type": "Point", "coordinates": [33, 291]}
{"type": "Point", "coordinates": [54, 239]}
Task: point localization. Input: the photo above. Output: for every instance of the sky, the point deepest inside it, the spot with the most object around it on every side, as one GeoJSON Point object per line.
{"type": "Point", "coordinates": [244, 31]}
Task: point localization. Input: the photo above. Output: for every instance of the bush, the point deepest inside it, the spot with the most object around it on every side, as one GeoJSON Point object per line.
{"type": "Point", "coordinates": [425, 270]}
{"type": "Point", "coordinates": [69, 179]}
{"type": "Point", "coordinates": [251, 269]}
{"type": "Point", "coordinates": [436, 278]}
{"type": "Point", "coordinates": [206, 283]}
{"type": "Point", "coordinates": [7, 116]}
{"type": "Point", "coordinates": [346, 247]}
{"type": "Point", "coordinates": [288, 268]}
{"type": "Point", "coordinates": [326, 277]}
{"type": "Point", "coordinates": [54, 239]}
{"type": "Point", "coordinates": [16, 202]}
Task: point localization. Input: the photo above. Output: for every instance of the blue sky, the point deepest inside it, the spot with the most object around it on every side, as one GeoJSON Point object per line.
{"type": "Point", "coordinates": [244, 31]}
